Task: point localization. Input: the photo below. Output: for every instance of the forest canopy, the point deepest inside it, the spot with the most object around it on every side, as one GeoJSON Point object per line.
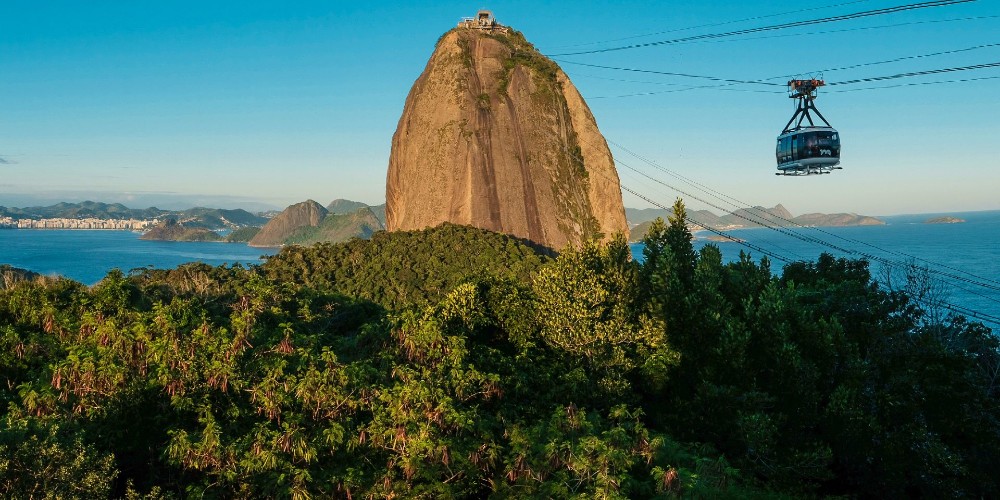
{"type": "Point", "coordinates": [455, 362]}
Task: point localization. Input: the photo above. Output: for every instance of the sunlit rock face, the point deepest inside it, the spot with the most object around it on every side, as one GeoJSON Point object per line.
{"type": "Point", "coordinates": [494, 135]}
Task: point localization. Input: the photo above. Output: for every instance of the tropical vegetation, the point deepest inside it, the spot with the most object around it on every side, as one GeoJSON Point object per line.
{"type": "Point", "coordinates": [455, 362]}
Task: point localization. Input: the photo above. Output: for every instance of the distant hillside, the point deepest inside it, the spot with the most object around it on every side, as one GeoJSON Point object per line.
{"type": "Point", "coordinates": [340, 206]}
{"type": "Point", "coordinates": [208, 218]}
{"type": "Point", "coordinates": [82, 210]}
{"type": "Point", "coordinates": [171, 230]}
{"type": "Point", "coordinates": [218, 218]}
{"type": "Point", "coordinates": [300, 215]}
{"type": "Point", "coordinates": [309, 222]}
{"type": "Point", "coordinates": [747, 217]}
{"type": "Point", "coordinates": [243, 234]}
{"type": "Point", "coordinates": [336, 228]}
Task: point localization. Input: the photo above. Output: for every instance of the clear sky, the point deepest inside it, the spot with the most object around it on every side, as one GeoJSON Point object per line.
{"type": "Point", "coordinates": [227, 103]}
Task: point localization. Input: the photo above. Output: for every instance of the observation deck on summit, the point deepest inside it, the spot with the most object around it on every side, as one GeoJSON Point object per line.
{"type": "Point", "coordinates": [483, 21]}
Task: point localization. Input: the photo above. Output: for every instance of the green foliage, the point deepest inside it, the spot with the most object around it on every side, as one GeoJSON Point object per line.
{"type": "Point", "coordinates": [491, 370]}
{"type": "Point", "coordinates": [403, 268]}
{"type": "Point", "coordinates": [524, 54]}
{"type": "Point", "coordinates": [41, 459]}
{"type": "Point", "coordinates": [243, 234]}
{"type": "Point", "coordinates": [588, 307]}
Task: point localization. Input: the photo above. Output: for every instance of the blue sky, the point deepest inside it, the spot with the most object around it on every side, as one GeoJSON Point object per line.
{"type": "Point", "coordinates": [227, 103]}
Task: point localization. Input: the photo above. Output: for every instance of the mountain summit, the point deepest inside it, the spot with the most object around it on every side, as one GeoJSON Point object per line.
{"type": "Point", "coordinates": [494, 135]}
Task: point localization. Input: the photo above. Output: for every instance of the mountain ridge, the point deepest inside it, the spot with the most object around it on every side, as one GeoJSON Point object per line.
{"type": "Point", "coordinates": [742, 218]}
{"type": "Point", "coordinates": [208, 218]}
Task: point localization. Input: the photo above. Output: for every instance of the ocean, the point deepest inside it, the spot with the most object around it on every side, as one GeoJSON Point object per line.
{"type": "Point", "coordinates": [87, 255]}
{"type": "Point", "coordinates": [964, 257]}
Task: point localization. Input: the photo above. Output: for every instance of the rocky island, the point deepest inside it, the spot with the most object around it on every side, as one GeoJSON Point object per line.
{"type": "Point", "coordinates": [944, 220]}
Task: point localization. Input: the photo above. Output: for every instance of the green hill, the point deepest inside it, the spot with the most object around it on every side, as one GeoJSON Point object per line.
{"type": "Point", "coordinates": [171, 230]}
{"type": "Point", "coordinates": [335, 228]}
{"type": "Point", "coordinates": [243, 234]}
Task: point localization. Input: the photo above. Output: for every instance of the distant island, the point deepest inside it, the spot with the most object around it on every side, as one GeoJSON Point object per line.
{"type": "Point", "coordinates": [171, 230]}
{"type": "Point", "coordinates": [944, 220]}
{"type": "Point", "coordinates": [778, 216]}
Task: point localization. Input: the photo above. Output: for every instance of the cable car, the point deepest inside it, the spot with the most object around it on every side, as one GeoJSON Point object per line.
{"type": "Point", "coordinates": [807, 149]}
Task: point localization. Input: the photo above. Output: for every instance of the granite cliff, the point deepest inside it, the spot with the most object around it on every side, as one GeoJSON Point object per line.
{"type": "Point", "coordinates": [494, 135]}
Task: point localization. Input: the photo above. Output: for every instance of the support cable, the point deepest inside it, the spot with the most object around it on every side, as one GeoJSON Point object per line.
{"type": "Point", "coordinates": [712, 25]}
{"type": "Point", "coordinates": [794, 24]}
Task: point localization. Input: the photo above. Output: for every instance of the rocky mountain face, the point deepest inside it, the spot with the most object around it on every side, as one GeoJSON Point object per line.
{"type": "Point", "coordinates": [494, 135]}
{"type": "Point", "coordinates": [278, 229]}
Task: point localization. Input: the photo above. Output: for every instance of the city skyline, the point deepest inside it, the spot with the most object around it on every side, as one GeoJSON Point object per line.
{"type": "Point", "coordinates": [257, 103]}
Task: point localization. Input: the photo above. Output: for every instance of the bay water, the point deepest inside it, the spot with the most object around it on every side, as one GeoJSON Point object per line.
{"type": "Point", "coordinates": [87, 255]}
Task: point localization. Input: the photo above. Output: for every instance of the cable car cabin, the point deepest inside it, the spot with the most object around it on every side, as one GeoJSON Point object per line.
{"type": "Point", "coordinates": [808, 150]}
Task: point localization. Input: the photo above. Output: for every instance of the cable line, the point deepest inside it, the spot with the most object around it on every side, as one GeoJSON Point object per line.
{"type": "Point", "coordinates": [670, 73]}
{"type": "Point", "coordinates": [916, 84]}
{"type": "Point", "coordinates": [795, 24]}
{"type": "Point", "coordinates": [712, 25]}
{"type": "Point", "coordinates": [847, 30]}
{"type": "Point", "coordinates": [917, 73]}
{"type": "Point", "coordinates": [730, 82]}
{"type": "Point", "coordinates": [898, 59]}
{"type": "Point", "coordinates": [671, 91]}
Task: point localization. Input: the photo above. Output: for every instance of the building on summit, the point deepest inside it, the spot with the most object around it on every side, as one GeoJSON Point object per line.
{"type": "Point", "coordinates": [484, 21]}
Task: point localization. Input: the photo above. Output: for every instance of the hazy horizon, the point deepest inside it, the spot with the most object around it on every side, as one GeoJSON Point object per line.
{"type": "Point", "coordinates": [167, 201]}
